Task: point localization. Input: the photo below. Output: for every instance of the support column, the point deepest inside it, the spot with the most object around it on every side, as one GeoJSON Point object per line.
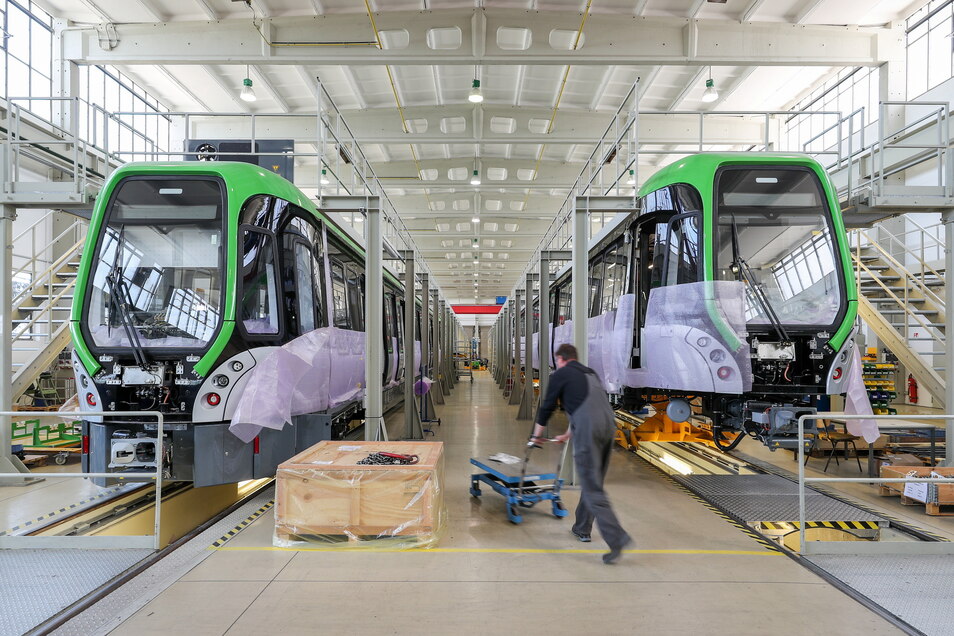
{"type": "Point", "coordinates": [526, 399]}
{"type": "Point", "coordinates": [948, 218]}
{"type": "Point", "coordinates": [545, 311]}
{"type": "Point", "coordinates": [9, 463]}
{"type": "Point", "coordinates": [517, 389]}
{"type": "Point", "coordinates": [373, 327]}
{"type": "Point", "coordinates": [437, 353]}
{"type": "Point", "coordinates": [412, 417]}
{"type": "Point", "coordinates": [580, 282]}
{"type": "Point", "coordinates": [448, 362]}
{"type": "Point", "coordinates": [502, 346]}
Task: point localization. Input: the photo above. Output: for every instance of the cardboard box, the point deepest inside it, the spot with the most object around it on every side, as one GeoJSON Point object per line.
{"type": "Point", "coordinates": [324, 494]}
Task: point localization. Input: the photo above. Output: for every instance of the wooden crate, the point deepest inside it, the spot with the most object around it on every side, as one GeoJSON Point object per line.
{"type": "Point", "coordinates": [897, 488]}
{"type": "Point", "coordinates": [324, 491]}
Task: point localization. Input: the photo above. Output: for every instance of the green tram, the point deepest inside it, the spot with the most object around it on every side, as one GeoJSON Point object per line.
{"type": "Point", "coordinates": [735, 275]}
{"type": "Point", "coordinates": [191, 274]}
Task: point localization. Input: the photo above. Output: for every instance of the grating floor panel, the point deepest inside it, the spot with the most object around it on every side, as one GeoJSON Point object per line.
{"type": "Point", "coordinates": [913, 588]}
{"type": "Point", "coordinates": [114, 608]}
{"type": "Point", "coordinates": [770, 498]}
{"type": "Point", "coordinates": [36, 584]}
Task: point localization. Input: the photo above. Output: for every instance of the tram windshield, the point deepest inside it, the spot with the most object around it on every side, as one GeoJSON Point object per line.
{"type": "Point", "coordinates": [156, 280]}
{"type": "Point", "coordinates": [774, 233]}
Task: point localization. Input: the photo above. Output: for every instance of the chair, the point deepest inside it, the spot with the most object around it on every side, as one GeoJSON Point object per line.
{"type": "Point", "coordinates": [836, 437]}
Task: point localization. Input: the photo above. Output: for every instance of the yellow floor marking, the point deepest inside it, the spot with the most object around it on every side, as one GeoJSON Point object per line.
{"type": "Point", "coordinates": [492, 550]}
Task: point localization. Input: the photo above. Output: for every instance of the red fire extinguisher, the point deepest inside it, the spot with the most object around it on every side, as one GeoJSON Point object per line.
{"type": "Point", "coordinates": [912, 389]}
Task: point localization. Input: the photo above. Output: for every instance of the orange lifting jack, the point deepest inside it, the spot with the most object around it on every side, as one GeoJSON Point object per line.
{"type": "Point", "coordinates": [657, 427]}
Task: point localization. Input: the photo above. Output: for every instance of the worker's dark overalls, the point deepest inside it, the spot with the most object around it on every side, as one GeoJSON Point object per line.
{"type": "Point", "coordinates": [594, 426]}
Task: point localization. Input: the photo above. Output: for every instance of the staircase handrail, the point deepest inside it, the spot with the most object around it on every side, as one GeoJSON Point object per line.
{"type": "Point", "coordinates": [908, 274]}
{"type": "Point", "coordinates": [50, 307]}
{"type": "Point", "coordinates": [36, 253]}
{"type": "Point", "coordinates": [931, 329]}
{"type": "Point", "coordinates": [48, 273]}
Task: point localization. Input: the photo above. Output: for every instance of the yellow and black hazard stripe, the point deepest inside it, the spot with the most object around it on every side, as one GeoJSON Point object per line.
{"type": "Point", "coordinates": [755, 536]}
{"type": "Point", "coordinates": [228, 536]}
{"type": "Point", "coordinates": [50, 515]}
{"type": "Point", "coordinates": [895, 521]}
{"type": "Point", "coordinates": [838, 525]}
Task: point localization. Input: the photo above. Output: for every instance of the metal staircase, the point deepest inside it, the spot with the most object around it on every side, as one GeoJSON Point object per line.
{"type": "Point", "coordinates": [901, 299]}
{"type": "Point", "coordinates": [41, 308]}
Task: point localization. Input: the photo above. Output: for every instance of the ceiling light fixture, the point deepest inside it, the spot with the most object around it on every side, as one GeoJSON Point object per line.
{"type": "Point", "coordinates": [324, 177]}
{"type": "Point", "coordinates": [631, 180]}
{"type": "Point", "coordinates": [248, 93]}
{"type": "Point", "coordinates": [475, 178]}
{"type": "Point", "coordinates": [476, 261]}
{"type": "Point", "coordinates": [475, 96]}
{"type": "Point", "coordinates": [476, 219]}
{"type": "Point", "coordinates": [711, 93]}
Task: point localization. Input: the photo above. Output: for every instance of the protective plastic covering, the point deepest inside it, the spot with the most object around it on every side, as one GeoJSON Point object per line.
{"type": "Point", "coordinates": [325, 496]}
{"type": "Point", "coordinates": [310, 374]}
{"type": "Point", "coordinates": [694, 340]}
{"type": "Point", "coordinates": [857, 403]}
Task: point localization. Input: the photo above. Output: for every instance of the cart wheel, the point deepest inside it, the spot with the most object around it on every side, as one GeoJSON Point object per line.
{"type": "Point", "coordinates": [60, 459]}
{"type": "Point", "coordinates": [475, 491]}
{"type": "Point", "coordinates": [514, 514]}
{"type": "Point", "coordinates": [559, 510]}
{"type": "Point", "coordinates": [21, 455]}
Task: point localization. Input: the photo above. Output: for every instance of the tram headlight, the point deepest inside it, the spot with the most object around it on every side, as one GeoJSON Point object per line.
{"type": "Point", "coordinates": [837, 373]}
{"type": "Point", "coordinates": [724, 373]}
{"type": "Point", "coordinates": [91, 399]}
{"type": "Point", "coordinates": [213, 399]}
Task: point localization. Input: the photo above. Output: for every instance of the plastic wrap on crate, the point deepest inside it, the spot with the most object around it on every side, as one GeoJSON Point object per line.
{"type": "Point", "coordinates": [857, 403]}
{"type": "Point", "coordinates": [310, 374]}
{"type": "Point", "coordinates": [324, 497]}
{"type": "Point", "coordinates": [694, 339]}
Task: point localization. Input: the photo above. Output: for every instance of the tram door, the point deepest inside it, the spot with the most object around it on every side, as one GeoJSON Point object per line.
{"type": "Point", "coordinates": [666, 254]}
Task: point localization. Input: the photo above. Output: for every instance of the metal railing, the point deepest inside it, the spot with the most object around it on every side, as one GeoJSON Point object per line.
{"type": "Point", "coordinates": [153, 541]}
{"type": "Point", "coordinates": [860, 547]}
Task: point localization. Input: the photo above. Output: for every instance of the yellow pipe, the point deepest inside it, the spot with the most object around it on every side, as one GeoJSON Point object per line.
{"type": "Point", "coordinates": [397, 99]}
{"type": "Point", "coordinates": [553, 113]}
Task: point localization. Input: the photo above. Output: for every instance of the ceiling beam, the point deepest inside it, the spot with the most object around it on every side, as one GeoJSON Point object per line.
{"type": "Point", "coordinates": [612, 40]}
{"type": "Point", "coordinates": [270, 88]}
{"type": "Point", "coordinates": [207, 9]}
{"type": "Point", "coordinates": [750, 10]}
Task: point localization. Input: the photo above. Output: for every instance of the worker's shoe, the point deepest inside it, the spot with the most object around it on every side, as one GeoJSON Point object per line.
{"type": "Point", "coordinates": [613, 555]}
{"type": "Point", "coordinates": [584, 538]}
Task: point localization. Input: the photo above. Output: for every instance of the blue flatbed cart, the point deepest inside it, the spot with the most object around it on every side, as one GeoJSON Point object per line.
{"type": "Point", "coordinates": [521, 484]}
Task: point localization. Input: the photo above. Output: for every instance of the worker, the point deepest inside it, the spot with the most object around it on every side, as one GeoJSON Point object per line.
{"type": "Point", "coordinates": [592, 427]}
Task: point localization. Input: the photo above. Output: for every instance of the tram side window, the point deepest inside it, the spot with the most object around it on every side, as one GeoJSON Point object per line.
{"type": "Point", "coordinates": [355, 278]}
{"type": "Point", "coordinates": [259, 308]}
{"type": "Point", "coordinates": [682, 251]}
{"type": "Point", "coordinates": [388, 322]}
{"type": "Point", "coordinates": [596, 286]}
{"type": "Point", "coordinates": [339, 296]}
{"type": "Point", "coordinates": [565, 308]}
{"type": "Point", "coordinates": [305, 289]}
{"type": "Point", "coordinates": [613, 275]}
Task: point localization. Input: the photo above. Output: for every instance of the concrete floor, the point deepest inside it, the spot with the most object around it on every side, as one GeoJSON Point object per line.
{"type": "Point", "coordinates": [690, 571]}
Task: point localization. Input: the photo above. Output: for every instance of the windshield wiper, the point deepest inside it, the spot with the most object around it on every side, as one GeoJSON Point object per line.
{"type": "Point", "coordinates": [121, 302]}
{"type": "Point", "coordinates": [742, 269]}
